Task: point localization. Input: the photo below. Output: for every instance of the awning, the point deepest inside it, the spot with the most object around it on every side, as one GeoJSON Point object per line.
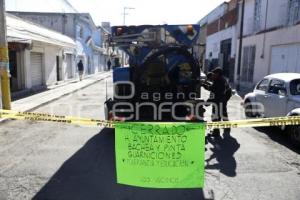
{"type": "Point", "coordinates": [18, 40]}
{"type": "Point", "coordinates": [19, 30]}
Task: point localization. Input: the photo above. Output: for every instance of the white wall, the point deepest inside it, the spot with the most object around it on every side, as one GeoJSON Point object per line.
{"type": "Point", "coordinates": [276, 13]}
{"type": "Point", "coordinates": [50, 72]}
{"type": "Point", "coordinates": [217, 13]}
{"type": "Point", "coordinates": [284, 36]}
{"type": "Point", "coordinates": [260, 69]}
{"type": "Point", "coordinates": [96, 63]}
{"type": "Point", "coordinates": [60, 22]}
{"type": "Point", "coordinates": [213, 42]}
{"type": "Point", "coordinates": [49, 63]}
{"type": "Point", "coordinates": [249, 17]}
{"type": "Point", "coordinates": [102, 62]}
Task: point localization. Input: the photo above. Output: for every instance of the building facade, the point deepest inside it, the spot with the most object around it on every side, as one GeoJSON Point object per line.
{"type": "Point", "coordinates": [271, 39]}
{"type": "Point", "coordinates": [37, 56]}
{"type": "Point", "coordinates": [81, 28]}
{"type": "Point", "coordinates": [222, 37]}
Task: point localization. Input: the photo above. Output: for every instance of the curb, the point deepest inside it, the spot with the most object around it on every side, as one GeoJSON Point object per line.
{"type": "Point", "coordinates": [57, 98]}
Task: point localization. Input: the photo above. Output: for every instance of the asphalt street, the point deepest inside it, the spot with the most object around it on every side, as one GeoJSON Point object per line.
{"type": "Point", "coordinates": [51, 161]}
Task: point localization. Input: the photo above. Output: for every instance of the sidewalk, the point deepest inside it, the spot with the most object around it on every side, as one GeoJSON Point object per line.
{"type": "Point", "coordinates": [55, 92]}
{"type": "Point", "coordinates": [235, 109]}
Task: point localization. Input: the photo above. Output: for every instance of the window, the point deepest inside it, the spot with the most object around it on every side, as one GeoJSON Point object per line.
{"type": "Point", "coordinates": [295, 87]}
{"type": "Point", "coordinates": [79, 31]}
{"type": "Point", "coordinates": [263, 85]}
{"type": "Point", "coordinates": [257, 15]}
{"type": "Point", "coordinates": [248, 64]}
{"type": "Point", "coordinates": [275, 86]}
{"type": "Point", "coordinates": [293, 12]}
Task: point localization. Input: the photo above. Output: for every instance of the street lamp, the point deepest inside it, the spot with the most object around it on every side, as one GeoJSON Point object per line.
{"type": "Point", "coordinates": [124, 22]}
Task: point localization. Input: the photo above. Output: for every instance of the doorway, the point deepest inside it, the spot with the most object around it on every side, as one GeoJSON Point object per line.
{"type": "Point", "coordinates": [225, 59]}
{"type": "Point", "coordinates": [13, 68]}
{"type": "Point", "coordinates": [58, 72]}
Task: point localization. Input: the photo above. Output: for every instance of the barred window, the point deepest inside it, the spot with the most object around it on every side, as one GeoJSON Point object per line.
{"type": "Point", "coordinates": [248, 64]}
{"type": "Point", "coordinates": [294, 12]}
{"type": "Point", "coordinates": [257, 15]}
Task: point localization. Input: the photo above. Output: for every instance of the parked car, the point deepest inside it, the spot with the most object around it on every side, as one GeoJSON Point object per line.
{"type": "Point", "coordinates": [276, 95]}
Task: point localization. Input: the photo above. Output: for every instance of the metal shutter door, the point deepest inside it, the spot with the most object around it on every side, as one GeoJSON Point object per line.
{"type": "Point", "coordinates": [279, 59]}
{"type": "Point", "coordinates": [69, 66]}
{"type": "Point", "coordinates": [284, 58]}
{"type": "Point", "coordinates": [36, 69]}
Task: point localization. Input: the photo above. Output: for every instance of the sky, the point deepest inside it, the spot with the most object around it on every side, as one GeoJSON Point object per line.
{"type": "Point", "coordinates": [146, 11]}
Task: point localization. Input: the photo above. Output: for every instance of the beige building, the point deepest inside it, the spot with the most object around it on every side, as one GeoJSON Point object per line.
{"type": "Point", "coordinates": [38, 57]}
{"type": "Point", "coordinates": [271, 42]}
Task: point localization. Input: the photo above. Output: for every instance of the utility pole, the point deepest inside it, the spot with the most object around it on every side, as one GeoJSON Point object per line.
{"type": "Point", "coordinates": [124, 23]}
{"type": "Point", "coordinates": [125, 13]}
{"type": "Point", "coordinates": [4, 61]}
{"type": "Point", "coordinates": [238, 87]}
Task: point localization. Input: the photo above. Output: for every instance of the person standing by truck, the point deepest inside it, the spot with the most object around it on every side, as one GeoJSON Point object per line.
{"type": "Point", "coordinates": [80, 69]}
{"type": "Point", "coordinates": [221, 93]}
{"type": "Point", "coordinates": [108, 64]}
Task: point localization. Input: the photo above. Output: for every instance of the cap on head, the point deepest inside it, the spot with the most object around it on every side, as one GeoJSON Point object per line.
{"type": "Point", "coordinates": [218, 70]}
{"type": "Point", "coordinates": [209, 75]}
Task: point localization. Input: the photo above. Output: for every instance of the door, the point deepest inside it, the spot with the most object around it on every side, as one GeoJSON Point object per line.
{"type": "Point", "coordinates": [58, 76]}
{"type": "Point", "coordinates": [69, 66]}
{"type": "Point", "coordinates": [285, 58]}
{"type": "Point", "coordinates": [260, 94]}
{"type": "Point", "coordinates": [278, 60]}
{"type": "Point", "coordinates": [292, 58]}
{"type": "Point", "coordinates": [247, 71]}
{"type": "Point", "coordinates": [13, 68]}
{"type": "Point", "coordinates": [89, 65]}
{"type": "Point", "coordinates": [36, 69]}
{"type": "Point", "coordinates": [225, 58]}
{"type": "Point", "coordinates": [276, 102]}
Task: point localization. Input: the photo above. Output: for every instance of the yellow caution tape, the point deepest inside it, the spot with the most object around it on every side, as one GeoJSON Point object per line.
{"type": "Point", "coordinates": [259, 122]}
{"type": "Point", "coordinates": [8, 114]}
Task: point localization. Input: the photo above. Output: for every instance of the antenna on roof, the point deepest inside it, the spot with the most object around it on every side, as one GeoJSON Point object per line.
{"type": "Point", "coordinates": [67, 2]}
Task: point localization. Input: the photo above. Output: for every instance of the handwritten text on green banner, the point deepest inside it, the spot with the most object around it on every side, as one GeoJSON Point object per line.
{"type": "Point", "coordinates": [160, 155]}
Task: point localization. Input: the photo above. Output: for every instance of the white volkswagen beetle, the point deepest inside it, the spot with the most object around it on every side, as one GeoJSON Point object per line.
{"type": "Point", "coordinates": [276, 95]}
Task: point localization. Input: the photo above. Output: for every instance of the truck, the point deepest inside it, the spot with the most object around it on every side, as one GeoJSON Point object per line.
{"type": "Point", "coordinates": [162, 81]}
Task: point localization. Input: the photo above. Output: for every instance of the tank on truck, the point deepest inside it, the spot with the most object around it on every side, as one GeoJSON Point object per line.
{"type": "Point", "coordinates": [161, 63]}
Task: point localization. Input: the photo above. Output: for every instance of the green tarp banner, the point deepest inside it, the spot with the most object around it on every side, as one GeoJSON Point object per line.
{"type": "Point", "coordinates": [156, 155]}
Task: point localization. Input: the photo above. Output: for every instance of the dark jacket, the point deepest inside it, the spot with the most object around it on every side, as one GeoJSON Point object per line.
{"type": "Point", "coordinates": [218, 89]}
{"type": "Point", "coordinates": [80, 66]}
{"type": "Point", "coordinates": [108, 63]}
